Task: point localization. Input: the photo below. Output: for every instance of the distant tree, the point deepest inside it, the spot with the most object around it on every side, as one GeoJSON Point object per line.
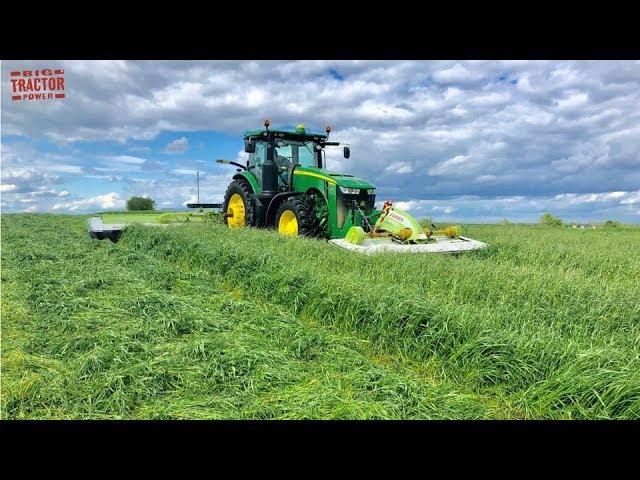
{"type": "Point", "coordinates": [505, 221]}
{"type": "Point", "coordinates": [612, 224]}
{"type": "Point", "coordinates": [548, 219]}
{"type": "Point", "coordinates": [140, 203]}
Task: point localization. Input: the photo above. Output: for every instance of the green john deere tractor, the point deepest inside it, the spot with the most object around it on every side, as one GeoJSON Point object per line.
{"type": "Point", "coordinates": [285, 185]}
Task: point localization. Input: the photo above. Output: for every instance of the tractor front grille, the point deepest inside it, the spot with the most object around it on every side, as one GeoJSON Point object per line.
{"type": "Point", "coordinates": [363, 199]}
{"type": "Point", "coordinates": [345, 204]}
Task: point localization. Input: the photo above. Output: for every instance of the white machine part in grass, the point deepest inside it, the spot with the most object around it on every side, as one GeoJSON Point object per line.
{"type": "Point", "coordinates": [439, 245]}
{"type": "Point", "coordinates": [397, 231]}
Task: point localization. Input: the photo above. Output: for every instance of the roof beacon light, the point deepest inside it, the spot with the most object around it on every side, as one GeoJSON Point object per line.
{"type": "Point", "coordinates": [300, 128]}
{"type": "Point", "coordinates": [266, 124]}
{"type": "Point", "coordinates": [327, 129]}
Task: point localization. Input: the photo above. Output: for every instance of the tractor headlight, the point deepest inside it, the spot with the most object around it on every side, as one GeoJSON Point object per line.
{"type": "Point", "coordinates": [371, 191]}
{"type": "Point", "coordinates": [350, 191]}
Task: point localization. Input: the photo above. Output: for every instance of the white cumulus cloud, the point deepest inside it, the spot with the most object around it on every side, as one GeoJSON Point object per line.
{"type": "Point", "coordinates": [106, 201]}
{"type": "Point", "coordinates": [179, 145]}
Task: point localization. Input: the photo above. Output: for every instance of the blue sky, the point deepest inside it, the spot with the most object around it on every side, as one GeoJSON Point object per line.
{"type": "Point", "coordinates": [473, 141]}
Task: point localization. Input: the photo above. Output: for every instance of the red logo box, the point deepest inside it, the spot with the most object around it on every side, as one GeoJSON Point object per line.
{"type": "Point", "coordinates": [43, 84]}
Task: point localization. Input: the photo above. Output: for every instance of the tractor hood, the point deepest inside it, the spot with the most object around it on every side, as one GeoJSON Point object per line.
{"type": "Point", "coordinates": [340, 179]}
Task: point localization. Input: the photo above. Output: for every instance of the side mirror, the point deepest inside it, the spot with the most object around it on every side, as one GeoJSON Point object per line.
{"type": "Point", "coordinates": [347, 152]}
{"type": "Point", "coordinates": [249, 146]}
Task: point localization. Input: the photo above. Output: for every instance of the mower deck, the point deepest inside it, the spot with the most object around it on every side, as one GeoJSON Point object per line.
{"type": "Point", "coordinates": [441, 245]}
{"type": "Point", "coordinates": [98, 229]}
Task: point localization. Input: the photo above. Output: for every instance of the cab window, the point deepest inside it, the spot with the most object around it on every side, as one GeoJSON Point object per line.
{"type": "Point", "coordinates": [289, 152]}
{"type": "Point", "coordinates": [259, 157]}
{"type": "Point", "coordinates": [257, 160]}
{"type": "Point", "coordinates": [307, 154]}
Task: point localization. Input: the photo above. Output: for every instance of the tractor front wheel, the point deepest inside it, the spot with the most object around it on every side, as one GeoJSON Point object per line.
{"type": "Point", "coordinates": [238, 205]}
{"type": "Point", "coordinates": [297, 216]}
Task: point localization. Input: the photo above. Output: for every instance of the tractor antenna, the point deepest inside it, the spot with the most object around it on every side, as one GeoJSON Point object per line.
{"type": "Point", "coordinates": [198, 183]}
{"type": "Point", "coordinates": [266, 124]}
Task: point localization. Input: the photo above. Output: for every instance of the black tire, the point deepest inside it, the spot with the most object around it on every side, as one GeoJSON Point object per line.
{"type": "Point", "coordinates": [243, 189]}
{"type": "Point", "coordinates": [303, 209]}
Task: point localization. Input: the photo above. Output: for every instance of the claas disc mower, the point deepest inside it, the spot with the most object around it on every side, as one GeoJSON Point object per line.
{"type": "Point", "coordinates": [285, 185]}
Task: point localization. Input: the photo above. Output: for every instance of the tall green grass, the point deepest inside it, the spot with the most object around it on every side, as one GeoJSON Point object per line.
{"type": "Point", "coordinates": [205, 322]}
{"type": "Point", "coordinates": [550, 318]}
{"type": "Point", "coordinates": [96, 330]}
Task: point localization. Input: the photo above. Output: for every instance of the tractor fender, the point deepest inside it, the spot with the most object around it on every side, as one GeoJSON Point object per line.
{"type": "Point", "coordinates": [275, 202]}
{"type": "Point", "coordinates": [250, 179]}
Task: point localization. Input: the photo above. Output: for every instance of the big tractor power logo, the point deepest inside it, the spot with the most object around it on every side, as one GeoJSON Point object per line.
{"type": "Point", "coordinates": [43, 84]}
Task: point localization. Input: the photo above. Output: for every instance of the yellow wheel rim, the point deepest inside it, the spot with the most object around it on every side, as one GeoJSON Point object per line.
{"type": "Point", "coordinates": [288, 223]}
{"type": "Point", "coordinates": [236, 209]}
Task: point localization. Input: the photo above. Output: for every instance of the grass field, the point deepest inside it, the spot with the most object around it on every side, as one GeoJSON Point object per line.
{"type": "Point", "coordinates": [204, 322]}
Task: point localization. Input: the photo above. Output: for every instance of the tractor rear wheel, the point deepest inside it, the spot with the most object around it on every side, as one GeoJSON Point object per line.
{"type": "Point", "coordinates": [297, 216]}
{"type": "Point", "coordinates": [238, 205]}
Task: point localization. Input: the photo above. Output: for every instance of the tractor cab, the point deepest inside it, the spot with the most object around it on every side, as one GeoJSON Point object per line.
{"type": "Point", "coordinates": [286, 149]}
{"type": "Point", "coordinates": [289, 152]}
